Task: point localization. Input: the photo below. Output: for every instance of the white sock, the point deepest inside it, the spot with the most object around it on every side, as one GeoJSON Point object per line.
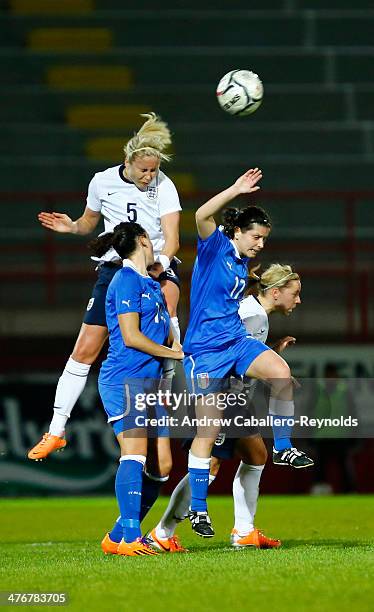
{"type": "Point", "coordinates": [176, 329]}
{"type": "Point", "coordinates": [169, 364]}
{"type": "Point", "coordinates": [168, 371]}
{"type": "Point", "coordinates": [70, 385]}
{"type": "Point", "coordinates": [177, 509]}
{"type": "Point", "coordinates": [140, 458]}
{"type": "Point", "coordinates": [198, 463]}
{"type": "Point", "coordinates": [245, 492]}
{"type": "Point", "coordinates": [278, 407]}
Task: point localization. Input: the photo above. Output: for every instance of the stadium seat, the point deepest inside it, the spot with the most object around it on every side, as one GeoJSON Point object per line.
{"type": "Point", "coordinates": [179, 68]}
{"type": "Point", "coordinates": [77, 73]}
{"type": "Point", "coordinates": [189, 4]}
{"type": "Point", "coordinates": [73, 173]}
{"type": "Point", "coordinates": [94, 77]}
{"type": "Point", "coordinates": [51, 7]}
{"type": "Point", "coordinates": [112, 109]}
{"type": "Point", "coordinates": [365, 103]}
{"type": "Point", "coordinates": [333, 5]}
{"type": "Point", "coordinates": [95, 116]}
{"type": "Point", "coordinates": [352, 30]}
{"type": "Point", "coordinates": [270, 140]}
{"type": "Point", "coordinates": [355, 67]}
{"type": "Point", "coordinates": [70, 39]}
{"type": "Point", "coordinates": [43, 139]}
{"type": "Point", "coordinates": [126, 28]}
{"type": "Point", "coordinates": [87, 79]}
{"type": "Point", "coordinates": [107, 148]}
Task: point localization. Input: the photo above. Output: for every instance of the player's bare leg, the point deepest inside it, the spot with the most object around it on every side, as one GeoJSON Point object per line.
{"type": "Point", "coordinates": [171, 293]}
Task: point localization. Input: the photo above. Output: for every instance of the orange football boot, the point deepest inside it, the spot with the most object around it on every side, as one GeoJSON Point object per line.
{"type": "Point", "coordinates": [256, 538]}
{"type": "Point", "coordinates": [47, 445]}
{"type": "Point", "coordinates": [108, 546]}
{"type": "Point", "coordinates": [135, 549]}
{"type": "Point", "coordinates": [171, 545]}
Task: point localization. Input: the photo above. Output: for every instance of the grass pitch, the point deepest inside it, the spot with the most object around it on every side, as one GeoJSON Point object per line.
{"type": "Point", "coordinates": [326, 561]}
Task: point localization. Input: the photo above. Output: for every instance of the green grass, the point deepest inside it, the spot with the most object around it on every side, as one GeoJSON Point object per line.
{"type": "Point", "coordinates": [326, 562]}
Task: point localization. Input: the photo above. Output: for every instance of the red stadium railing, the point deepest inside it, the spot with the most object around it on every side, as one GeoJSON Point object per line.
{"type": "Point", "coordinates": [349, 247]}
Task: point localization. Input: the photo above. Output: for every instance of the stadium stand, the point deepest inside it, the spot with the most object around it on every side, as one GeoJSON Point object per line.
{"type": "Point", "coordinates": [76, 74]}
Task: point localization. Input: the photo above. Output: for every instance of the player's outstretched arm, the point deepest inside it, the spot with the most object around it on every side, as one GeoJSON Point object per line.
{"type": "Point", "coordinates": [170, 230]}
{"type": "Point", "coordinates": [63, 224]}
{"type": "Point", "coordinates": [247, 183]}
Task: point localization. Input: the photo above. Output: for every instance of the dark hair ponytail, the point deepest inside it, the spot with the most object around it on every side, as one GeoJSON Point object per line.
{"type": "Point", "coordinates": [245, 219]}
{"type": "Point", "coordinates": [123, 239]}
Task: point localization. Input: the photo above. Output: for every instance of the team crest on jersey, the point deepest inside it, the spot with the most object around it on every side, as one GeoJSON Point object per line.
{"type": "Point", "coordinates": [90, 303]}
{"type": "Point", "coordinates": [151, 193]}
{"type": "Point", "coordinates": [220, 439]}
{"type": "Point", "coordinates": [203, 380]}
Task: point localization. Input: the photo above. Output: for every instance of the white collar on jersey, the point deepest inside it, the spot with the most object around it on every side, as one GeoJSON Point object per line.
{"type": "Point", "coordinates": [127, 263]}
{"type": "Point", "coordinates": [235, 249]}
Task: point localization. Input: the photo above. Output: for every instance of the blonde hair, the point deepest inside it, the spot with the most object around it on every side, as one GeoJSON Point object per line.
{"type": "Point", "coordinates": [150, 140]}
{"type": "Point", "coordinates": [277, 275]}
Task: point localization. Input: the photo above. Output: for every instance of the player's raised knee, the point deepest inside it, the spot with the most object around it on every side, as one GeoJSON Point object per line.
{"type": "Point", "coordinates": [281, 370]}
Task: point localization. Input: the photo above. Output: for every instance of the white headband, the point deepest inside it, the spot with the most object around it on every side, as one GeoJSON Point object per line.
{"type": "Point", "coordinates": [143, 148]}
{"type": "Point", "coordinates": [266, 287]}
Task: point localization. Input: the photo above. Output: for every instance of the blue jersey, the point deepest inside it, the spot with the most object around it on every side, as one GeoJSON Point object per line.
{"type": "Point", "coordinates": [129, 291]}
{"type": "Point", "coordinates": [218, 282]}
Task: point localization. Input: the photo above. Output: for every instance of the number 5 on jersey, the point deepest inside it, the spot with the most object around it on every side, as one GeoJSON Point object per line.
{"type": "Point", "coordinates": [132, 214]}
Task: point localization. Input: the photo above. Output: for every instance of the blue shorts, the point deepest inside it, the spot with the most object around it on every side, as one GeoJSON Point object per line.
{"type": "Point", "coordinates": [171, 274]}
{"type": "Point", "coordinates": [224, 448]}
{"type": "Point", "coordinates": [127, 407]}
{"type": "Point", "coordinates": [95, 312]}
{"type": "Point", "coordinates": [209, 371]}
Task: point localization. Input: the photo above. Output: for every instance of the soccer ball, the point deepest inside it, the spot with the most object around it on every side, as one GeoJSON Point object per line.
{"type": "Point", "coordinates": [240, 92]}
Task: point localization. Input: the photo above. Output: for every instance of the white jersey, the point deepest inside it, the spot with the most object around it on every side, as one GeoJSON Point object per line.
{"type": "Point", "coordinates": [254, 317]}
{"type": "Point", "coordinates": [118, 200]}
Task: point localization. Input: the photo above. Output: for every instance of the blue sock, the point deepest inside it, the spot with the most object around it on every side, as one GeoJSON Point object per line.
{"type": "Point", "coordinates": [282, 433]}
{"type": "Point", "coordinates": [128, 492]}
{"type": "Point", "coordinates": [150, 492]}
{"type": "Point", "coordinates": [116, 534]}
{"type": "Point", "coordinates": [199, 482]}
